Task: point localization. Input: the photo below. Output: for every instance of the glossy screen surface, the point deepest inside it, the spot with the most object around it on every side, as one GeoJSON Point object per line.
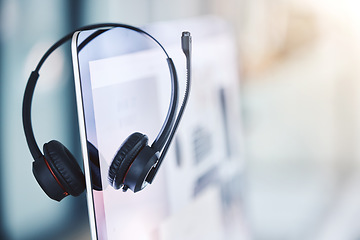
{"type": "Point", "coordinates": [125, 88]}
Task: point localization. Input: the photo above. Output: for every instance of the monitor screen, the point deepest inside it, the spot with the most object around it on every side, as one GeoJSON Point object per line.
{"type": "Point", "coordinates": [125, 88]}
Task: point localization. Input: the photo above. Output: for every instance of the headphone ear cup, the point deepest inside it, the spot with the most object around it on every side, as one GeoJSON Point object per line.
{"type": "Point", "coordinates": [64, 166]}
{"type": "Point", "coordinates": [124, 157]}
{"type": "Point", "coordinates": [46, 180]}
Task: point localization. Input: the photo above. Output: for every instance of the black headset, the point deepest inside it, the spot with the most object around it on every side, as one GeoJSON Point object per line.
{"type": "Point", "coordinates": [134, 165]}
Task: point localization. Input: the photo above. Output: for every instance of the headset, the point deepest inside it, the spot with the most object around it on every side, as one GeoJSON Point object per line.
{"type": "Point", "coordinates": [135, 164]}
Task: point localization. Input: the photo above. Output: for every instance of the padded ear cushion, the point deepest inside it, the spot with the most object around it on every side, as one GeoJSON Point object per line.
{"type": "Point", "coordinates": [65, 167]}
{"type": "Point", "coordinates": [124, 158]}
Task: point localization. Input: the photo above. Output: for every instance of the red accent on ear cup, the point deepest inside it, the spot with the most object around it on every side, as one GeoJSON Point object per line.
{"type": "Point", "coordinates": [46, 179]}
{"type": "Point", "coordinates": [64, 167]}
{"type": "Point", "coordinates": [124, 158]}
{"type": "Point", "coordinates": [56, 179]}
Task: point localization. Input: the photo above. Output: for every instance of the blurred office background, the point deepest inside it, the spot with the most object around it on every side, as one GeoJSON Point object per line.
{"type": "Point", "coordinates": [300, 84]}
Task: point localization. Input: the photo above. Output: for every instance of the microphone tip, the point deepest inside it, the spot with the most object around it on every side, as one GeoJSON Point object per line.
{"type": "Point", "coordinates": [186, 43]}
{"type": "Point", "coordinates": [186, 34]}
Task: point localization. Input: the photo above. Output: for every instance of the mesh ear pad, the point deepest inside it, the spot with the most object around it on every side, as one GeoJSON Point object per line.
{"type": "Point", "coordinates": [124, 158]}
{"type": "Point", "coordinates": [65, 167]}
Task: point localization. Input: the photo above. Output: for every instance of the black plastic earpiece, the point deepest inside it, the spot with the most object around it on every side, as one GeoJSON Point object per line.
{"type": "Point", "coordinates": [47, 181]}
{"type": "Point", "coordinates": [124, 171]}
{"type": "Point", "coordinates": [58, 173]}
{"type": "Point", "coordinates": [124, 158]}
{"type": "Point", "coordinates": [94, 166]}
{"type": "Point", "coordinates": [65, 167]}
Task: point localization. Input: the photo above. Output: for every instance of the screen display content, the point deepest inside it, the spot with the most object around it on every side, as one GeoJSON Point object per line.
{"type": "Point", "coordinates": [124, 86]}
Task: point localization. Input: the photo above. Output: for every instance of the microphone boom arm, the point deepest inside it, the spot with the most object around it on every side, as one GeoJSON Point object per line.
{"type": "Point", "coordinates": [186, 43]}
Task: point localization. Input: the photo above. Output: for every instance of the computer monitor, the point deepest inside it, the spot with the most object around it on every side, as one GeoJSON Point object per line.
{"type": "Point", "coordinates": [124, 87]}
